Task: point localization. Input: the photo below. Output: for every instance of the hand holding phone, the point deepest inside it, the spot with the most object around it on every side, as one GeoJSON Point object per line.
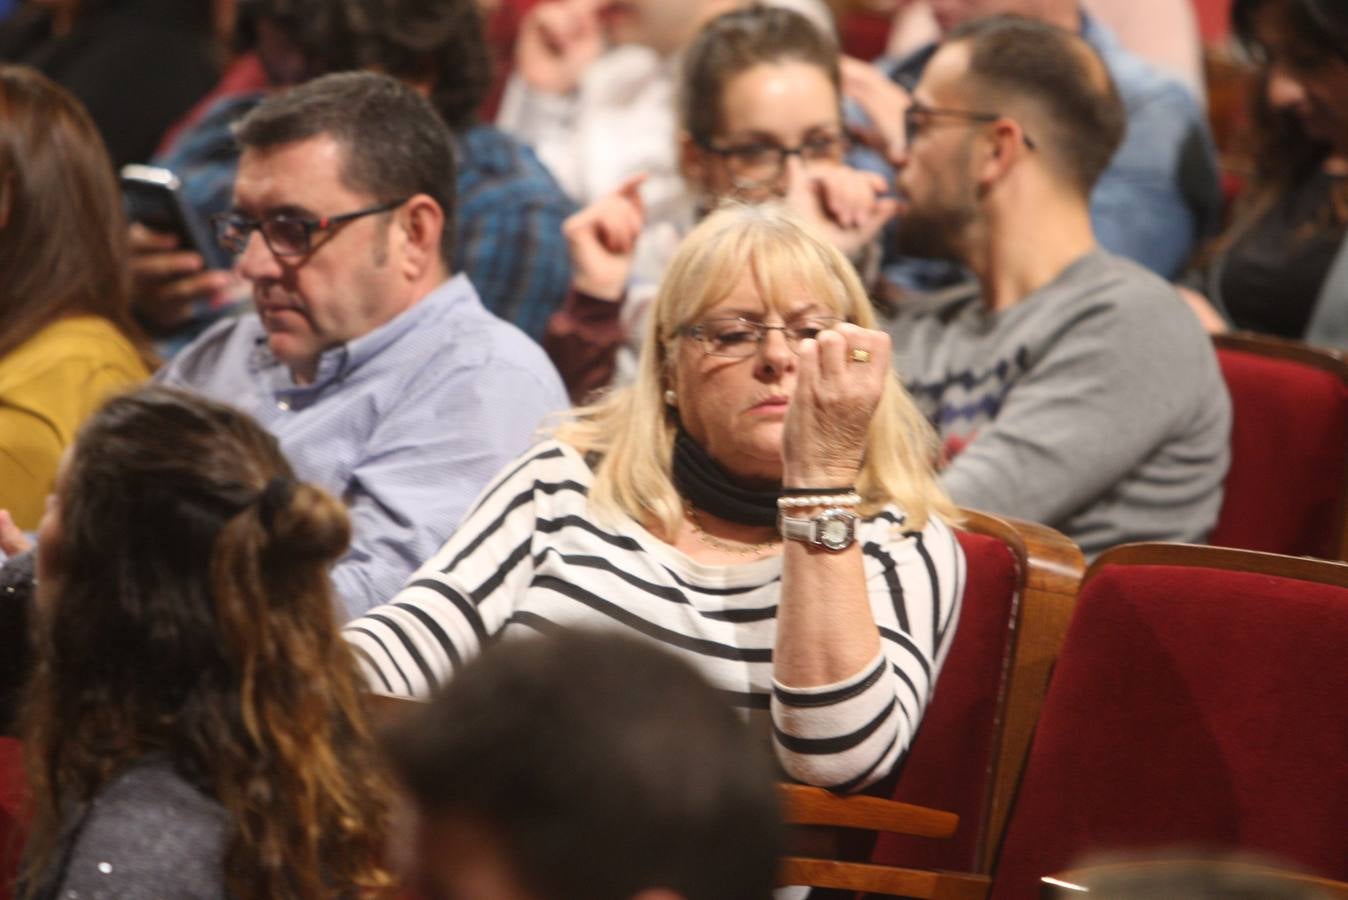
{"type": "Point", "coordinates": [167, 280]}
{"type": "Point", "coordinates": [174, 256]}
{"type": "Point", "coordinates": [154, 198]}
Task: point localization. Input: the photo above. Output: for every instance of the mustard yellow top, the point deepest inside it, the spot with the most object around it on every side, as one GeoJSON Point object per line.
{"type": "Point", "coordinates": [48, 386]}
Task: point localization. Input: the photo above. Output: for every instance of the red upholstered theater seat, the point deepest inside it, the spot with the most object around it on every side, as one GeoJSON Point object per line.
{"type": "Point", "coordinates": [1201, 698]}
{"type": "Point", "coordinates": [955, 760]}
{"type": "Point", "coordinates": [12, 801]}
{"type": "Point", "coordinates": [949, 764]}
{"type": "Point", "coordinates": [1285, 492]}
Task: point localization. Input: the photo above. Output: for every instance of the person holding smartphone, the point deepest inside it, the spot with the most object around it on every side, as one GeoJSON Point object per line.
{"type": "Point", "coordinates": [508, 234]}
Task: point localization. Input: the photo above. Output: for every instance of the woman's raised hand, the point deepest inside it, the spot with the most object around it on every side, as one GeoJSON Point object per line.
{"type": "Point", "coordinates": [558, 40]}
{"type": "Point", "coordinates": [602, 239]}
{"type": "Point", "coordinates": [12, 539]}
{"type": "Point", "coordinates": [847, 205]}
{"type": "Point", "coordinates": [883, 101]}
{"type": "Point", "coordinates": [840, 377]}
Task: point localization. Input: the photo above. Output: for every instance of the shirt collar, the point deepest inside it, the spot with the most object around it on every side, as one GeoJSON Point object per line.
{"type": "Point", "coordinates": [336, 363]}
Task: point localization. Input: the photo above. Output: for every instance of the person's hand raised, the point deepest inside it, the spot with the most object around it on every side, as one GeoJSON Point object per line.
{"type": "Point", "coordinates": [165, 278]}
{"type": "Point", "coordinates": [558, 40]}
{"type": "Point", "coordinates": [884, 103]}
{"type": "Point", "coordinates": [840, 378]}
{"type": "Point", "coordinates": [12, 539]}
{"type": "Point", "coordinates": [847, 205]}
{"type": "Point", "coordinates": [602, 239]}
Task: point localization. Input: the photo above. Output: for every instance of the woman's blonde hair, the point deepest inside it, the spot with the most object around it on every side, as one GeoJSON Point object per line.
{"type": "Point", "coordinates": [631, 430]}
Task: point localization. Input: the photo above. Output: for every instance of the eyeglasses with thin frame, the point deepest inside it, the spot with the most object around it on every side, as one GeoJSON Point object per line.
{"type": "Point", "coordinates": [917, 116]}
{"type": "Point", "coordinates": [735, 337]}
{"type": "Point", "coordinates": [284, 234]}
{"type": "Point", "coordinates": [757, 164]}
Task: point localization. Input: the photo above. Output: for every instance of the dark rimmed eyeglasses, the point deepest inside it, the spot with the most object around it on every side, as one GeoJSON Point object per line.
{"type": "Point", "coordinates": [284, 234]}
{"type": "Point", "coordinates": [760, 163]}
{"type": "Point", "coordinates": [917, 116]}
{"type": "Point", "coordinates": [736, 338]}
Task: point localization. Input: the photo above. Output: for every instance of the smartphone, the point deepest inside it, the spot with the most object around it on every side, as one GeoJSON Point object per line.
{"type": "Point", "coordinates": [153, 197]}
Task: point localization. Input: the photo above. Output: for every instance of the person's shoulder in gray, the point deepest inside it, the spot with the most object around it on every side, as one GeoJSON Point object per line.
{"type": "Point", "coordinates": [1074, 387]}
{"type": "Point", "coordinates": [1094, 405]}
{"type": "Point", "coordinates": [148, 835]}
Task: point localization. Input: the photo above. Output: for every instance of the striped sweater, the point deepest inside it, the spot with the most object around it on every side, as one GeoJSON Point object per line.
{"type": "Point", "coordinates": [530, 558]}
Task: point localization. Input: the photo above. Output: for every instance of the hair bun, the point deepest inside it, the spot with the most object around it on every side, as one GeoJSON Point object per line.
{"type": "Point", "coordinates": [303, 521]}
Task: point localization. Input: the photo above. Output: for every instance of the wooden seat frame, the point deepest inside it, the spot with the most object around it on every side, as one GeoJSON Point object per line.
{"type": "Point", "coordinates": [1049, 569]}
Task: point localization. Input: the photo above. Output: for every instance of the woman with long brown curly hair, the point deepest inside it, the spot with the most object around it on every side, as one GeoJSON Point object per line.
{"type": "Point", "coordinates": [193, 726]}
{"type": "Point", "coordinates": [67, 338]}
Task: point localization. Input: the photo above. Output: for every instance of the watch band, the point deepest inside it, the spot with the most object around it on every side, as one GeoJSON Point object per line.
{"type": "Point", "coordinates": [833, 528]}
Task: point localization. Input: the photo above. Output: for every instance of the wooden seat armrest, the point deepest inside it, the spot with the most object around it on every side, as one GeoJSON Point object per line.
{"type": "Point", "coordinates": [1053, 566]}
{"type": "Point", "coordinates": [895, 881]}
{"type": "Point", "coordinates": [805, 805]}
{"type": "Point", "coordinates": [384, 711]}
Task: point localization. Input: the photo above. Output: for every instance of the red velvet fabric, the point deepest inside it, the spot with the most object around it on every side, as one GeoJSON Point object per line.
{"type": "Point", "coordinates": [864, 34]}
{"type": "Point", "coordinates": [1189, 707]}
{"type": "Point", "coordinates": [12, 800]}
{"type": "Point", "coordinates": [949, 762]}
{"type": "Point", "coordinates": [1289, 454]}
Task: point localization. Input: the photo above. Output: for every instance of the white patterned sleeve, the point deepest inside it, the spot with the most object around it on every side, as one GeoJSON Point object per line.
{"type": "Point", "coordinates": [452, 606]}
{"type": "Point", "coordinates": [847, 735]}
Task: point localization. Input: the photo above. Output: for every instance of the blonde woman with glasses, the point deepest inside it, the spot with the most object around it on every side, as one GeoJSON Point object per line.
{"type": "Point", "coordinates": [760, 500]}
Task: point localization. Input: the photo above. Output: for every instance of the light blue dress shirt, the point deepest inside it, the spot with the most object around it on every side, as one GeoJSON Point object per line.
{"type": "Point", "coordinates": [406, 424]}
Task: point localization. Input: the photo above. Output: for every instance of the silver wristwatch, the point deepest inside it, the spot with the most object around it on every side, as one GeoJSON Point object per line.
{"type": "Point", "coordinates": [832, 529]}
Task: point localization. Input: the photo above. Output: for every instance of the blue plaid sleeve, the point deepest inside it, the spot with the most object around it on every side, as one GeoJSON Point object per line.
{"type": "Point", "coordinates": [510, 230]}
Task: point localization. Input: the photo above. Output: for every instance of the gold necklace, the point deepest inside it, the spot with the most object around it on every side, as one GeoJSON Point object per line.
{"type": "Point", "coordinates": [737, 547]}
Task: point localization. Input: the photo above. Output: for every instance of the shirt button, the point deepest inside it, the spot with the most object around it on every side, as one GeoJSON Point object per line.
{"type": "Point", "coordinates": [282, 405]}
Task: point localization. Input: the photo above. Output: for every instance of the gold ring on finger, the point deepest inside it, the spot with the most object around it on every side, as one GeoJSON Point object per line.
{"type": "Point", "coordinates": [861, 356]}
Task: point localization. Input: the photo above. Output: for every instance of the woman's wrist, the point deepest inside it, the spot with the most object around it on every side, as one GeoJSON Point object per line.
{"type": "Point", "coordinates": [819, 478]}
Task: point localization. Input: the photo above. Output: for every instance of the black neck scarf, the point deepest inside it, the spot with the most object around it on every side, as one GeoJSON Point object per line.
{"type": "Point", "coordinates": [707, 486]}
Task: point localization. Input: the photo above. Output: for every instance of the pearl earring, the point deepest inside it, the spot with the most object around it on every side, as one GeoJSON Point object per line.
{"type": "Point", "coordinates": [671, 398]}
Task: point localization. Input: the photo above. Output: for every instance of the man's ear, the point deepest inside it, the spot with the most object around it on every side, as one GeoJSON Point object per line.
{"type": "Point", "coordinates": [1004, 147]}
{"type": "Point", "coordinates": [421, 221]}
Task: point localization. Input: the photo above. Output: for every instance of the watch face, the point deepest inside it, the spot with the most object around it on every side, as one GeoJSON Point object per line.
{"type": "Point", "coordinates": [835, 529]}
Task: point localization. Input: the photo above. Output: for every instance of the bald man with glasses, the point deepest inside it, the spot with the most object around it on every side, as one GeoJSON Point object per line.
{"type": "Point", "coordinates": [378, 369]}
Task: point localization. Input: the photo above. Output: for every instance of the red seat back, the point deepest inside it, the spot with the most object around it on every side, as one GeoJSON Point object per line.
{"type": "Point", "coordinates": [949, 763]}
{"type": "Point", "coordinates": [1191, 705]}
{"type": "Point", "coordinates": [13, 799]}
{"type": "Point", "coordinates": [1289, 448]}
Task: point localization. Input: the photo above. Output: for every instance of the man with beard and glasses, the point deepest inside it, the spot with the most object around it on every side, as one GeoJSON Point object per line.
{"type": "Point", "coordinates": [385, 379]}
{"type": "Point", "coordinates": [1158, 194]}
{"type": "Point", "coordinates": [1074, 387]}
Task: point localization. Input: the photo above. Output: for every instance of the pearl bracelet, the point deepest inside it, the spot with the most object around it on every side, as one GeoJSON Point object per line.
{"type": "Point", "coordinates": [849, 499]}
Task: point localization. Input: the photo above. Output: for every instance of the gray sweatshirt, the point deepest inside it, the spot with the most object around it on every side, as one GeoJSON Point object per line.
{"type": "Point", "coordinates": [1095, 405]}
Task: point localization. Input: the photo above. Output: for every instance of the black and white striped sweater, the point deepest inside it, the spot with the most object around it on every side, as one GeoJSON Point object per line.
{"type": "Point", "coordinates": [530, 558]}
